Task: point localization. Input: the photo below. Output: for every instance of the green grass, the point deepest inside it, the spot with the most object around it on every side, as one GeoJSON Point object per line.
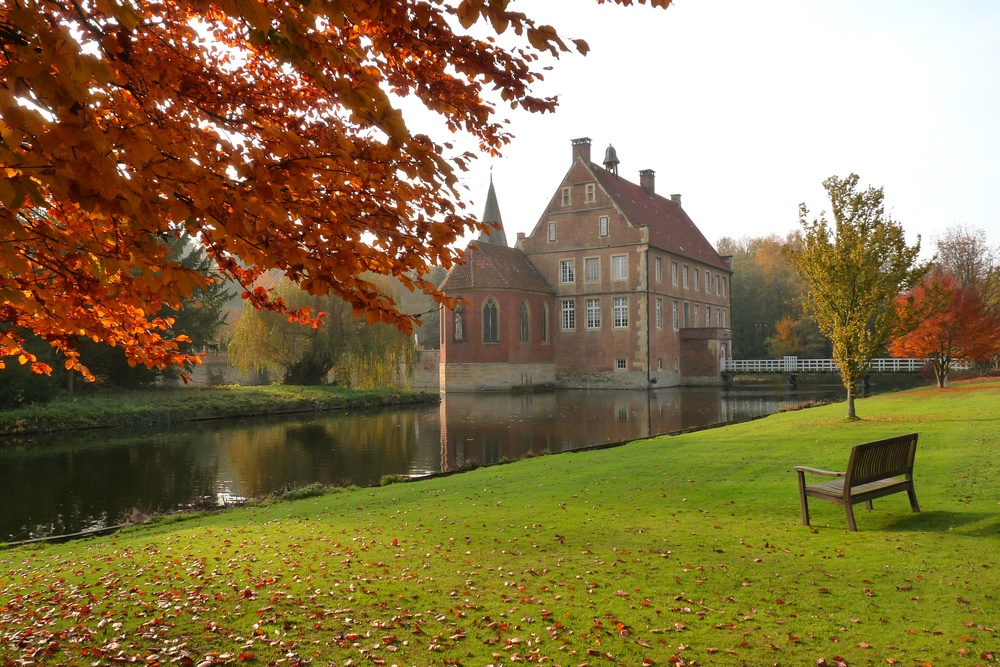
{"type": "Point", "coordinates": [136, 409]}
{"type": "Point", "coordinates": [677, 550]}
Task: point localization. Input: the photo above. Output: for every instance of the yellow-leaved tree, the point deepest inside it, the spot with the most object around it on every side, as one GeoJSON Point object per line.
{"type": "Point", "coordinates": [855, 269]}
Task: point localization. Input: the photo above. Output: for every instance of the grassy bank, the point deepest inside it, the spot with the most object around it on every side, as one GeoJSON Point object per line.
{"type": "Point", "coordinates": [677, 550]}
{"type": "Point", "coordinates": [132, 409]}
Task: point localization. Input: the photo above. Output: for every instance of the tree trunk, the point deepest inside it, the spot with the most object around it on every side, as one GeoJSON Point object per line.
{"type": "Point", "coordinates": [851, 414]}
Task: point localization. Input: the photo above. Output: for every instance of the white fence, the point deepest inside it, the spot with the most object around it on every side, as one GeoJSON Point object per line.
{"type": "Point", "coordinates": [789, 365]}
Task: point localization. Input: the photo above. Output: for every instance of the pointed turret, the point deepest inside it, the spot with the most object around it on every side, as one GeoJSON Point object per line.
{"type": "Point", "coordinates": [491, 216]}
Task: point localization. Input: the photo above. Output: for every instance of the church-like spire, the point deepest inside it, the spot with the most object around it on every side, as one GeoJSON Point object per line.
{"type": "Point", "coordinates": [491, 215]}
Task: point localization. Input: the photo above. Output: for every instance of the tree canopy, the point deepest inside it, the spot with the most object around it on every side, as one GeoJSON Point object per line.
{"type": "Point", "coordinates": [956, 326]}
{"type": "Point", "coordinates": [855, 269]}
{"type": "Point", "coordinates": [267, 130]}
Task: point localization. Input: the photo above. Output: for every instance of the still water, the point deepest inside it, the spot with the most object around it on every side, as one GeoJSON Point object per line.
{"type": "Point", "coordinates": [59, 484]}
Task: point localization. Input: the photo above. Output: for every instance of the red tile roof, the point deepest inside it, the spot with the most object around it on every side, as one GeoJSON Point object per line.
{"type": "Point", "coordinates": [497, 267]}
{"type": "Point", "coordinates": [670, 228]}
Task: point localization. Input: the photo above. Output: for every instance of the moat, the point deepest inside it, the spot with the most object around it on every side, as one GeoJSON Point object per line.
{"type": "Point", "coordinates": [59, 484]}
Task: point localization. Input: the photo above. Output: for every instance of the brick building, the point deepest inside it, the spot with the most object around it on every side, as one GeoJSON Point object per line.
{"type": "Point", "coordinates": [615, 287]}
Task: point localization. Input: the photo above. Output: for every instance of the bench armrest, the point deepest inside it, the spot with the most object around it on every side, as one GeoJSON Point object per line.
{"type": "Point", "coordinates": [817, 471]}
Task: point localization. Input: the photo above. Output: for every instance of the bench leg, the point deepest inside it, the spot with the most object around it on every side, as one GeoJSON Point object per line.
{"type": "Point", "coordinates": [803, 501]}
{"type": "Point", "coordinates": [912, 493]}
{"type": "Point", "coordinates": [868, 504]}
{"type": "Point", "coordinates": [849, 508]}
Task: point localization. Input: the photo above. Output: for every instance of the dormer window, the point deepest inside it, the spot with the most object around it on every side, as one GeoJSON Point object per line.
{"type": "Point", "coordinates": [591, 193]}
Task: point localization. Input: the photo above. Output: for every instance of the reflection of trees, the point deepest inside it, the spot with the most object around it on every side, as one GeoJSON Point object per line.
{"type": "Point", "coordinates": [356, 449]}
{"type": "Point", "coordinates": [66, 489]}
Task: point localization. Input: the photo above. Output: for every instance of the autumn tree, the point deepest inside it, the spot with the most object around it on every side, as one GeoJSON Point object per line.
{"type": "Point", "coordinates": [767, 315]}
{"type": "Point", "coordinates": [267, 130]}
{"type": "Point", "coordinates": [264, 344]}
{"type": "Point", "coordinates": [855, 269]}
{"type": "Point", "coordinates": [957, 327]}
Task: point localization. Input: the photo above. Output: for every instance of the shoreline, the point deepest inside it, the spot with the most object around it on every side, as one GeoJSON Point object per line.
{"type": "Point", "coordinates": [161, 407]}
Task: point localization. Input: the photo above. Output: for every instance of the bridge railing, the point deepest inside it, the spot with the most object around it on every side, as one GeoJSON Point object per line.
{"type": "Point", "coordinates": [795, 365]}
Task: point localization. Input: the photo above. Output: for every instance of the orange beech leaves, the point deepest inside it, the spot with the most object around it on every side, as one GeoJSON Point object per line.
{"type": "Point", "coordinates": [264, 128]}
{"type": "Point", "coordinates": [954, 326]}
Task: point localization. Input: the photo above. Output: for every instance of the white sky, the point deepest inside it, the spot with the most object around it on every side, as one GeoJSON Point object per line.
{"type": "Point", "coordinates": [744, 108]}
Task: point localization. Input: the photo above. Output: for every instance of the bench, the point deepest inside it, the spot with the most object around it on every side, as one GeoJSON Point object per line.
{"type": "Point", "coordinates": [875, 469]}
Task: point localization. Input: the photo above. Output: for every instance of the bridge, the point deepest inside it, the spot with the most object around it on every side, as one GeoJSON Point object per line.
{"type": "Point", "coordinates": [791, 367]}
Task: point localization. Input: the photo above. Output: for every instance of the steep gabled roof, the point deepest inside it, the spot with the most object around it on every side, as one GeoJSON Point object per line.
{"type": "Point", "coordinates": [670, 228]}
{"type": "Point", "coordinates": [497, 267]}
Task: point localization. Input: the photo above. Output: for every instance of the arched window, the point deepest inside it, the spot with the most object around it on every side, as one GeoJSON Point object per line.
{"type": "Point", "coordinates": [491, 328]}
{"type": "Point", "coordinates": [459, 324]}
{"type": "Point", "coordinates": [523, 321]}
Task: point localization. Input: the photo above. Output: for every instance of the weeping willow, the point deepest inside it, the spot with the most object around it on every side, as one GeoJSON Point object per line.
{"type": "Point", "coordinates": [348, 350]}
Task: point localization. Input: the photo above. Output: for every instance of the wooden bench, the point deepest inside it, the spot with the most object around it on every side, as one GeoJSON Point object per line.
{"type": "Point", "coordinates": [875, 469]}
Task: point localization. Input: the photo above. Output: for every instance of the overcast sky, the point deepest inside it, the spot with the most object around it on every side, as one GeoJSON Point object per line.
{"type": "Point", "coordinates": [744, 108]}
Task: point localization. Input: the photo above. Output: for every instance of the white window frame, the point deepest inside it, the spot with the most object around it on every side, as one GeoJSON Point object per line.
{"type": "Point", "coordinates": [591, 191]}
{"type": "Point", "coordinates": [658, 269]}
{"type": "Point", "coordinates": [593, 314]}
{"type": "Point", "coordinates": [659, 313]}
{"type": "Point", "coordinates": [552, 232]}
{"type": "Point", "coordinates": [619, 267]}
{"type": "Point", "coordinates": [621, 364]}
{"type": "Point", "coordinates": [684, 276]}
{"type": "Point", "coordinates": [620, 310]}
{"type": "Point", "coordinates": [673, 273]}
{"type": "Point", "coordinates": [588, 264]}
{"type": "Point", "coordinates": [566, 199]}
{"type": "Point", "coordinates": [567, 272]}
{"type": "Point", "coordinates": [708, 316]}
{"type": "Point", "coordinates": [676, 321]}
{"type": "Point", "coordinates": [567, 314]}
{"type": "Point", "coordinates": [603, 225]}
{"type": "Point", "coordinates": [696, 316]}
{"type": "Point", "coordinates": [708, 282]}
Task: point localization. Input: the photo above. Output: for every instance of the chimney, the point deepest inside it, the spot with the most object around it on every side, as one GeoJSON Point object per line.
{"type": "Point", "coordinates": [581, 149]}
{"type": "Point", "coordinates": [677, 200]}
{"type": "Point", "coordinates": [646, 180]}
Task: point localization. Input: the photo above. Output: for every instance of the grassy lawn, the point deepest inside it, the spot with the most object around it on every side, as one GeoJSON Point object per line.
{"type": "Point", "coordinates": [151, 407]}
{"type": "Point", "coordinates": [683, 550]}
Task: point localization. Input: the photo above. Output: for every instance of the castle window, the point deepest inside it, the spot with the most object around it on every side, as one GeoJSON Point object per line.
{"type": "Point", "coordinates": [523, 323]}
{"type": "Point", "coordinates": [708, 283]}
{"type": "Point", "coordinates": [619, 267]}
{"type": "Point", "coordinates": [602, 226]}
{"type": "Point", "coordinates": [659, 364]}
{"type": "Point", "coordinates": [552, 232]}
{"type": "Point", "coordinates": [621, 364]}
{"type": "Point", "coordinates": [621, 312]}
{"type": "Point", "coordinates": [658, 269]}
{"type": "Point", "coordinates": [708, 316]}
{"type": "Point", "coordinates": [566, 271]}
{"type": "Point", "coordinates": [674, 312]}
{"type": "Point", "coordinates": [592, 269]}
{"type": "Point", "coordinates": [723, 319]}
{"type": "Point", "coordinates": [491, 329]}
{"type": "Point", "coordinates": [659, 313]}
{"type": "Point", "coordinates": [697, 279]}
{"type": "Point", "coordinates": [459, 324]}
{"type": "Point", "coordinates": [687, 318]}
{"type": "Point", "coordinates": [718, 284]}
{"type": "Point", "coordinates": [696, 313]}
{"type": "Point", "coordinates": [684, 277]}
{"type": "Point", "coordinates": [565, 197]}
{"type": "Point", "coordinates": [568, 309]}
{"type": "Point", "coordinates": [723, 287]}
{"type": "Point", "coordinates": [591, 193]}
{"type": "Point", "coordinates": [545, 323]}
{"type": "Point", "coordinates": [673, 273]}
{"type": "Point", "coordinates": [593, 313]}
